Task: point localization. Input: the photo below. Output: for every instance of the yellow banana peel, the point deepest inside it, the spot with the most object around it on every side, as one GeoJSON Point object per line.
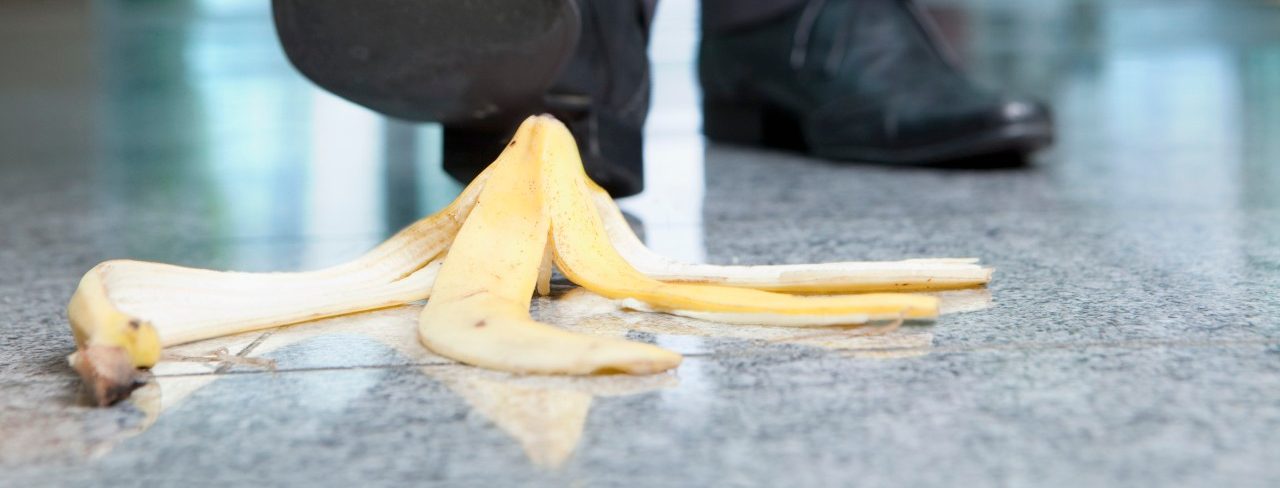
{"type": "Point", "coordinates": [480, 260]}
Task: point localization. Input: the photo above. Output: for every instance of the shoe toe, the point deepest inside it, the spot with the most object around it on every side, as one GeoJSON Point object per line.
{"type": "Point", "coordinates": [923, 131]}
{"type": "Point", "coordinates": [977, 120]}
{"type": "Point", "coordinates": [1022, 111]}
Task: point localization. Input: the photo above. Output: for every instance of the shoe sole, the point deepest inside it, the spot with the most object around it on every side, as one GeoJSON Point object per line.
{"type": "Point", "coordinates": [758, 126]}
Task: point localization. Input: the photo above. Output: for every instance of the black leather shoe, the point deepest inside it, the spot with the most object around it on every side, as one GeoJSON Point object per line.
{"type": "Point", "coordinates": [862, 80]}
{"type": "Point", "coordinates": [480, 67]}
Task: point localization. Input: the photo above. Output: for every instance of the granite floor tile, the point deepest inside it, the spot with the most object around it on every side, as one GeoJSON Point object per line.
{"type": "Point", "coordinates": [1063, 276]}
{"type": "Point", "coordinates": [744, 184]}
{"type": "Point", "coordinates": [1097, 415]}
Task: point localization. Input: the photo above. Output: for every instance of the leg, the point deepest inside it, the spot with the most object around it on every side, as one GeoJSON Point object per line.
{"type": "Point", "coordinates": [480, 66]}
{"type": "Point", "coordinates": [723, 15]}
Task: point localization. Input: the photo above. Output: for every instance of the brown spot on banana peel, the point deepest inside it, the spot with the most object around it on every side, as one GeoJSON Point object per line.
{"type": "Point", "coordinates": [95, 321]}
{"type": "Point", "coordinates": [471, 294]}
{"type": "Point", "coordinates": [108, 372]}
{"type": "Point", "coordinates": [110, 345]}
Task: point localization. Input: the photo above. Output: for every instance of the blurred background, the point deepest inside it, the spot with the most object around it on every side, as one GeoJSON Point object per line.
{"type": "Point", "coordinates": [191, 107]}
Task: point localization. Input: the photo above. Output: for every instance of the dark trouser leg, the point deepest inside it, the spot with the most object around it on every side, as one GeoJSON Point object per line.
{"type": "Point", "coordinates": [480, 66]}
{"type": "Point", "coordinates": [602, 94]}
{"type": "Point", "coordinates": [721, 15]}
{"type": "Point", "coordinates": [474, 64]}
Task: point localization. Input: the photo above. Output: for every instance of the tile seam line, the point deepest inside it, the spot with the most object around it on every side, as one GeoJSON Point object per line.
{"type": "Point", "coordinates": [1134, 345]}
{"type": "Point", "coordinates": [847, 353]}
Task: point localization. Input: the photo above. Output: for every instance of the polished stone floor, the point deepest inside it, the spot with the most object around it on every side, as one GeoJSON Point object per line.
{"type": "Point", "coordinates": [1130, 337]}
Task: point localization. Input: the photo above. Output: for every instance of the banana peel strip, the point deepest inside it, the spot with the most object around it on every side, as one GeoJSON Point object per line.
{"type": "Point", "coordinates": [585, 255]}
{"type": "Point", "coordinates": [532, 207]}
{"type": "Point", "coordinates": [124, 312]}
{"type": "Point", "coordinates": [839, 277]}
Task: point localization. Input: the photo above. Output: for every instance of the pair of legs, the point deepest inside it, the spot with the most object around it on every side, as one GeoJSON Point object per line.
{"type": "Point", "coordinates": [856, 80]}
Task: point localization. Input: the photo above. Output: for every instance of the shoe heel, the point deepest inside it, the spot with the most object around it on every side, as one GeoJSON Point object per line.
{"type": "Point", "coordinates": [733, 123]}
{"type": "Point", "coordinates": [467, 152]}
{"type": "Point", "coordinates": [751, 125]}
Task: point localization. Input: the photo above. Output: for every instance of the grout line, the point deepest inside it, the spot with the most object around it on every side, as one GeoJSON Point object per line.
{"type": "Point", "coordinates": [310, 369]}
{"type": "Point", "coordinates": [337, 368]}
{"type": "Point", "coordinates": [1027, 346]}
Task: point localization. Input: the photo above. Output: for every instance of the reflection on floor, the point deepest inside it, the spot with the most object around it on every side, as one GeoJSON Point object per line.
{"type": "Point", "coordinates": [545, 414]}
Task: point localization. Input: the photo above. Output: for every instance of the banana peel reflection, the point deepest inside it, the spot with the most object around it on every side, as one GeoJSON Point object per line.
{"type": "Point", "coordinates": [546, 415]}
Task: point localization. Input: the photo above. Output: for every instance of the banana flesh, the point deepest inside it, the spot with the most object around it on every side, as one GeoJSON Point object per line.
{"type": "Point", "coordinates": [480, 260]}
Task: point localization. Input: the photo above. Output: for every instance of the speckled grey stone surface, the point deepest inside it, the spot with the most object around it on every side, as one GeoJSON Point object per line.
{"type": "Point", "coordinates": [1096, 415]}
{"type": "Point", "coordinates": [1131, 336]}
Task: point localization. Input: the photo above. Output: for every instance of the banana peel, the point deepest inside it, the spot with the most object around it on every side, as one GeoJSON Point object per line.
{"type": "Point", "coordinates": [585, 255]}
{"type": "Point", "coordinates": [480, 260]}
{"type": "Point", "coordinates": [839, 277]}
{"type": "Point", "coordinates": [124, 312]}
{"type": "Point", "coordinates": [479, 308]}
